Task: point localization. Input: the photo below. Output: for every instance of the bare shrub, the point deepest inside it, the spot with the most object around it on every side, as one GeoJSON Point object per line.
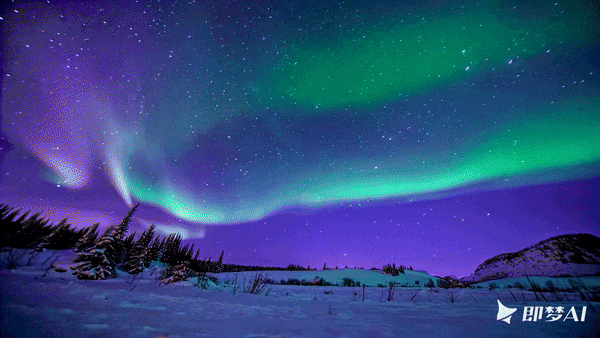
{"type": "Point", "coordinates": [32, 256]}
{"type": "Point", "coordinates": [391, 291]}
{"type": "Point", "coordinates": [451, 297]}
{"type": "Point", "coordinates": [256, 284]}
{"type": "Point", "coordinates": [413, 297]}
{"type": "Point", "coordinates": [235, 284]}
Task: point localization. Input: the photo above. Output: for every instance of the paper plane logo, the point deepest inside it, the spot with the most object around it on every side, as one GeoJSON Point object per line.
{"type": "Point", "coordinates": [504, 313]}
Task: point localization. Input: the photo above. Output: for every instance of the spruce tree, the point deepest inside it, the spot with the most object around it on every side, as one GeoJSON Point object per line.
{"type": "Point", "coordinates": [220, 262]}
{"type": "Point", "coordinates": [120, 232]}
{"type": "Point", "coordinates": [141, 253]}
{"type": "Point", "coordinates": [98, 262]}
{"type": "Point", "coordinates": [88, 239]}
{"type": "Point", "coordinates": [126, 248]}
{"type": "Point", "coordinates": [153, 252]}
{"type": "Point", "coordinates": [75, 237]}
{"type": "Point", "coordinates": [176, 273]}
{"type": "Point", "coordinates": [8, 224]}
{"type": "Point", "coordinates": [33, 230]}
{"type": "Point", "coordinates": [170, 250]}
{"type": "Point", "coordinates": [56, 238]}
{"type": "Point", "coordinates": [190, 253]}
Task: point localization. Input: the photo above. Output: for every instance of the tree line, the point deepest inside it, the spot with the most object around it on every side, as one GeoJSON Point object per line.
{"type": "Point", "coordinates": [101, 254]}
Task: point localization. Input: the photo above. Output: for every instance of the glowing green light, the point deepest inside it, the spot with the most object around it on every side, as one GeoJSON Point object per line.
{"type": "Point", "coordinates": [381, 65]}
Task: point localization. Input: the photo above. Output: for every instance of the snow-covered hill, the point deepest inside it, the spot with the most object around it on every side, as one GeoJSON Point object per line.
{"type": "Point", "coordinates": [566, 255]}
{"type": "Point", "coordinates": [371, 278]}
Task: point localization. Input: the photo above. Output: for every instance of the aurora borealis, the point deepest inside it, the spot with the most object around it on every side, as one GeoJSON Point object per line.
{"type": "Point", "coordinates": [309, 131]}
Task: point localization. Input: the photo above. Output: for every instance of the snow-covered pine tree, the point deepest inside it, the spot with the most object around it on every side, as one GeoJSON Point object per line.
{"type": "Point", "coordinates": [120, 232]}
{"type": "Point", "coordinates": [98, 262]}
{"type": "Point", "coordinates": [141, 253]}
{"type": "Point", "coordinates": [88, 239]}
{"type": "Point", "coordinates": [176, 273]}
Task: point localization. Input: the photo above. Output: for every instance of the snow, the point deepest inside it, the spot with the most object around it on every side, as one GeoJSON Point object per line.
{"type": "Point", "coordinates": [59, 305]}
{"type": "Point", "coordinates": [369, 277]}
{"type": "Point", "coordinates": [555, 257]}
{"type": "Point", "coordinates": [509, 269]}
{"type": "Point", "coordinates": [561, 283]}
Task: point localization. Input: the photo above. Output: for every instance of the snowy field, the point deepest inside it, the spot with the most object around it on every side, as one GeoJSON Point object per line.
{"type": "Point", "coordinates": [58, 305]}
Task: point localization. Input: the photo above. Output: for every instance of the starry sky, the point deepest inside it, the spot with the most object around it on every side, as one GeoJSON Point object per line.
{"type": "Point", "coordinates": [428, 133]}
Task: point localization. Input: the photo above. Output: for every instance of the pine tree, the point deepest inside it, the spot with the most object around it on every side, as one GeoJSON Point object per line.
{"type": "Point", "coordinates": [120, 232]}
{"type": "Point", "coordinates": [182, 253]}
{"type": "Point", "coordinates": [55, 239]}
{"type": "Point", "coordinates": [127, 246]}
{"type": "Point", "coordinates": [190, 253]}
{"type": "Point", "coordinates": [220, 262]}
{"type": "Point", "coordinates": [170, 250]}
{"type": "Point", "coordinates": [75, 237]}
{"type": "Point", "coordinates": [140, 253]}
{"type": "Point", "coordinates": [33, 230]}
{"type": "Point", "coordinates": [176, 273]}
{"type": "Point", "coordinates": [88, 239]}
{"type": "Point", "coordinates": [8, 224]}
{"type": "Point", "coordinates": [153, 252]}
{"type": "Point", "coordinates": [98, 262]}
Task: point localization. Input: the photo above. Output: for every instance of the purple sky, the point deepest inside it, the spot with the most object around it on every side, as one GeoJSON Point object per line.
{"type": "Point", "coordinates": [429, 134]}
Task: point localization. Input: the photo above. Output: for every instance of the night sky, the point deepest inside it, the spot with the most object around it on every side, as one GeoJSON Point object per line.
{"type": "Point", "coordinates": [435, 134]}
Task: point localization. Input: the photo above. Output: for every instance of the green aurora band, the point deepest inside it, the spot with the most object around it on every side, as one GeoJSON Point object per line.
{"type": "Point", "coordinates": [367, 68]}
{"type": "Point", "coordinates": [568, 142]}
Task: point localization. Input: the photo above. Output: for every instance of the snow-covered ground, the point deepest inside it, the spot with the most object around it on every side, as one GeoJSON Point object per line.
{"type": "Point", "coordinates": [59, 305]}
